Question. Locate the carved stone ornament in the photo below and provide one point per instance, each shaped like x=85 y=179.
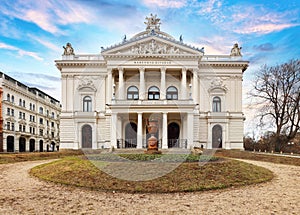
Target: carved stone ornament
x=236 y=51
x=217 y=83
x=154 y=48
x=86 y=82
x=68 y=50
x=153 y=23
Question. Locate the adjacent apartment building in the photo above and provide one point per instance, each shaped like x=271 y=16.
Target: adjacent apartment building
x=108 y=98
x=29 y=118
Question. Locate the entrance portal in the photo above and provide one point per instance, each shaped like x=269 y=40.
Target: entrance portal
x=31 y=145
x=173 y=135
x=86 y=136
x=10 y=144
x=41 y=146
x=22 y=144
x=217 y=136
x=131 y=135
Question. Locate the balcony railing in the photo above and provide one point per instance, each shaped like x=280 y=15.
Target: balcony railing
x=152 y=102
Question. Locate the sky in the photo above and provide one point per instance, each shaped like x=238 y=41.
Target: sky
x=33 y=32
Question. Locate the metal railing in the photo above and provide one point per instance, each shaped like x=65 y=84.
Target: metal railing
x=132 y=143
x=126 y=143
x=177 y=143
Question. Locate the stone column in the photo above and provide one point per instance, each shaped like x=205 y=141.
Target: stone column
x=109 y=86
x=190 y=129
x=113 y=130
x=165 y=131
x=195 y=86
x=142 y=83
x=121 y=83
x=140 y=131
x=163 y=83
x=183 y=83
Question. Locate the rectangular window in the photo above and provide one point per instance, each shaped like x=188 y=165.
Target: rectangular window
x=12 y=126
x=24 y=128
x=41 y=121
x=8 y=111
x=41 y=132
x=30 y=130
x=20 y=115
x=12 y=112
x=33 y=130
x=8 y=126
x=52 y=124
x=23 y=115
x=20 y=127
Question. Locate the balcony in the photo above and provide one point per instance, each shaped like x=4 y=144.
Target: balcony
x=185 y=102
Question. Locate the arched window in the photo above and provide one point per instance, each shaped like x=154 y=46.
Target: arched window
x=20 y=102
x=172 y=93
x=8 y=97
x=87 y=104
x=153 y=93
x=41 y=110
x=132 y=93
x=216 y=104
x=23 y=103
x=12 y=99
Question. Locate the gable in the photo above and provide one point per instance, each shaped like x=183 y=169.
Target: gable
x=152 y=45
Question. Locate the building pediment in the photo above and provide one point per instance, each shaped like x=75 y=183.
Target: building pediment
x=151 y=45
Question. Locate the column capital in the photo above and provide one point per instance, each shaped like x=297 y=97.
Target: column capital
x=142 y=69
x=120 y=68
x=183 y=69
x=163 y=69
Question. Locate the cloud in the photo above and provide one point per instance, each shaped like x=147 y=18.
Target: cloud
x=46 y=43
x=264 y=47
x=263 y=28
x=21 y=52
x=165 y=3
x=246 y=18
x=48 y=15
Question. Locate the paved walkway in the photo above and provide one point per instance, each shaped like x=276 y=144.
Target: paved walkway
x=22 y=194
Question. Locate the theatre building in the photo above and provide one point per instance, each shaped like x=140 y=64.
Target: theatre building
x=108 y=98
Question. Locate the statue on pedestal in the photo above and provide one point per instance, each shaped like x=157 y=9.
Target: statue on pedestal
x=236 y=51
x=68 y=50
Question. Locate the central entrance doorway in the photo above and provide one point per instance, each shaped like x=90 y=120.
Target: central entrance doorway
x=173 y=135
x=131 y=135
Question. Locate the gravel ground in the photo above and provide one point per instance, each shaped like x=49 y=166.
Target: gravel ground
x=23 y=194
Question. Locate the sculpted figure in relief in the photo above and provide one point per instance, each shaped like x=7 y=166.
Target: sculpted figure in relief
x=236 y=50
x=68 y=50
x=154 y=48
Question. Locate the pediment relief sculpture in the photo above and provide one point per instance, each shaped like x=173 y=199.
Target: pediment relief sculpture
x=152 y=47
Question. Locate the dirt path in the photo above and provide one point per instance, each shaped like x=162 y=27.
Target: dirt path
x=22 y=194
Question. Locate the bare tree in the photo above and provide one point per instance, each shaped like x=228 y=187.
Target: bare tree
x=277 y=95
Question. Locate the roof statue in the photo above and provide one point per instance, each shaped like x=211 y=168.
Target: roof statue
x=236 y=51
x=68 y=50
x=153 y=23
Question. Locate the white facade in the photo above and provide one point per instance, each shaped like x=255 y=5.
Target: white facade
x=108 y=97
x=29 y=118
